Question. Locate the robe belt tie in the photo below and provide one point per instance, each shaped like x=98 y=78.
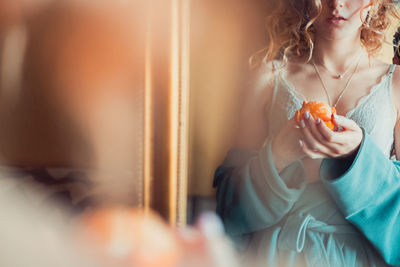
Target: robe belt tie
x=298 y=225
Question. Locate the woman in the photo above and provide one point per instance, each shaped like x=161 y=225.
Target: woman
x=270 y=196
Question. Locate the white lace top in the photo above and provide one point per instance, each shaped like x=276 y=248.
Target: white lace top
x=374 y=112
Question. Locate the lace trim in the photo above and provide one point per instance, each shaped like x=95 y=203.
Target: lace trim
x=292 y=89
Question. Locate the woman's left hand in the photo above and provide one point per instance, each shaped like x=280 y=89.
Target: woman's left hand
x=321 y=142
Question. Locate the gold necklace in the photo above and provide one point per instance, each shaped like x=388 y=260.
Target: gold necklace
x=341 y=75
x=345 y=87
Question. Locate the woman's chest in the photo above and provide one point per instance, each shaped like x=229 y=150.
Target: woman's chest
x=344 y=94
x=371 y=109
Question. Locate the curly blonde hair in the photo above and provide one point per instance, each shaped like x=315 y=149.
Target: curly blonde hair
x=290 y=30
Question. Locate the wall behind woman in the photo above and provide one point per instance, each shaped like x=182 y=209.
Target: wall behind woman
x=224 y=34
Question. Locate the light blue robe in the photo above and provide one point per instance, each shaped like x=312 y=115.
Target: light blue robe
x=279 y=220
x=367 y=191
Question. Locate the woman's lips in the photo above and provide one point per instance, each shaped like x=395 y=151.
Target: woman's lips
x=335 y=20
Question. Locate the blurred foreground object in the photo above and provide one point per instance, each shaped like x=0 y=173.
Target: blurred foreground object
x=35 y=235
x=118 y=237
x=100 y=86
x=79 y=99
x=15 y=11
x=131 y=237
x=206 y=244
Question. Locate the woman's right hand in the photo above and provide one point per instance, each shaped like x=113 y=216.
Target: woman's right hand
x=285 y=145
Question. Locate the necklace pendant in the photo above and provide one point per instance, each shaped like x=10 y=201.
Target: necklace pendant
x=340 y=76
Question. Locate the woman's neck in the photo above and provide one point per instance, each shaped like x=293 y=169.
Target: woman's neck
x=336 y=55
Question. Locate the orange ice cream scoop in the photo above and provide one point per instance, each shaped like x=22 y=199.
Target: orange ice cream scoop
x=317 y=110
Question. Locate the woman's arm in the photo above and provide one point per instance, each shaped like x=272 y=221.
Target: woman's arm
x=366 y=188
x=252 y=128
x=251 y=194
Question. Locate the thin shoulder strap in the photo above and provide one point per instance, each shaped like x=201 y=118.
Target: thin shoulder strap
x=389 y=88
x=391 y=69
x=390 y=76
x=274 y=92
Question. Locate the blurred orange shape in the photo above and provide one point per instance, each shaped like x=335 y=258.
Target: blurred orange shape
x=132 y=236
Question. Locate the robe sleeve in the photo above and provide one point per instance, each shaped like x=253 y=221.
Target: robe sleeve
x=367 y=190
x=251 y=195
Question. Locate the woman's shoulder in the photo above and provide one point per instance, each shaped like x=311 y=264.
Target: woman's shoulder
x=396 y=88
x=396 y=79
x=251 y=121
x=380 y=69
x=379 y=66
x=263 y=73
x=394 y=70
x=259 y=83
